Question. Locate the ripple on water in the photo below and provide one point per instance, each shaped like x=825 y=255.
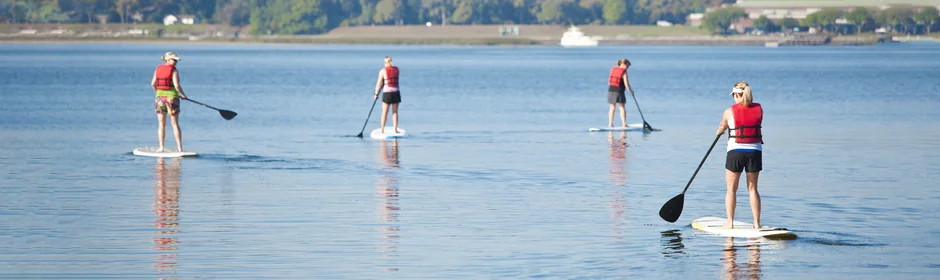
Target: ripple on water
x=836 y=239
x=500 y=178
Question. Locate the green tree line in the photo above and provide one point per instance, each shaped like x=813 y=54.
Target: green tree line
x=897 y=19
x=318 y=16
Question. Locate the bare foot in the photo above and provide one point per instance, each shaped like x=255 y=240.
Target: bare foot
x=756 y=226
x=610 y=125
x=729 y=225
x=625 y=125
x=179 y=149
x=396 y=130
x=160 y=150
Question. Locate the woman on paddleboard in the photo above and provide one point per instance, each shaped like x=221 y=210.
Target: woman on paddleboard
x=618 y=82
x=743 y=122
x=166 y=82
x=391 y=96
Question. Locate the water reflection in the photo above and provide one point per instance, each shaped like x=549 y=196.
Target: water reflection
x=646 y=134
x=732 y=270
x=166 y=209
x=618 y=158
x=672 y=243
x=387 y=189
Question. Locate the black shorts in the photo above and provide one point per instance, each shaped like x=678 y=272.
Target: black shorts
x=738 y=161
x=616 y=97
x=391 y=97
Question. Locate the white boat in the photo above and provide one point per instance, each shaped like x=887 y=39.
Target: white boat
x=575 y=38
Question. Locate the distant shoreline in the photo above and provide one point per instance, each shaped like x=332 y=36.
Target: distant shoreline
x=738 y=40
x=529 y=35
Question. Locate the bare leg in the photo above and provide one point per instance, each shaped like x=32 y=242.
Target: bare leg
x=755 y=196
x=610 y=116
x=174 y=118
x=395 y=117
x=730 y=200
x=384 y=115
x=623 y=114
x=161 y=130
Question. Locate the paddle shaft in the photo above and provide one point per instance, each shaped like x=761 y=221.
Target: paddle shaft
x=367 y=117
x=638 y=107
x=200 y=103
x=701 y=163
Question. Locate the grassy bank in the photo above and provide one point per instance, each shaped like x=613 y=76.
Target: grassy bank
x=525 y=31
x=153 y=28
x=864 y=39
x=279 y=40
x=397 y=41
x=645 y=31
x=409 y=34
x=379 y=31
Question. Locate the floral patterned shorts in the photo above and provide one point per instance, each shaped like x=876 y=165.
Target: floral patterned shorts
x=167 y=105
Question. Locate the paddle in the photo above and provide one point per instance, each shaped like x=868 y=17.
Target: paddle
x=367 y=118
x=226 y=114
x=646 y=125
x=673 y=208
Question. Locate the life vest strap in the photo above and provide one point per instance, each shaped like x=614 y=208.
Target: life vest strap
x=740 y=128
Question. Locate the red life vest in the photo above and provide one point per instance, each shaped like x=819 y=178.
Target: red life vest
x=616 y=77
x=747 y=123
x=164 y=75
x=391 y=76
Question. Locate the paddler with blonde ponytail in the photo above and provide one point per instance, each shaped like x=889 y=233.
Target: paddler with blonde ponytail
x=391 y=95
x=745 y=144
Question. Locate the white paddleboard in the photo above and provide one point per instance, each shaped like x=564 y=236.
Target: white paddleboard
x=388 y=133
x=716 y=225
x=151 y=152
x=631 y=127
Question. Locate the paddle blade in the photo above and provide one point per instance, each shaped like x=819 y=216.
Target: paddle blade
x=647 y=126
x=672 y=209
x=227 y=115
x=360 y=135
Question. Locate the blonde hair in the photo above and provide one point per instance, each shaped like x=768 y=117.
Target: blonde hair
x=388 y=60
x=747 y=96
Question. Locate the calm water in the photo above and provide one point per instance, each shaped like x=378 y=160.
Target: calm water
x=498 y=178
